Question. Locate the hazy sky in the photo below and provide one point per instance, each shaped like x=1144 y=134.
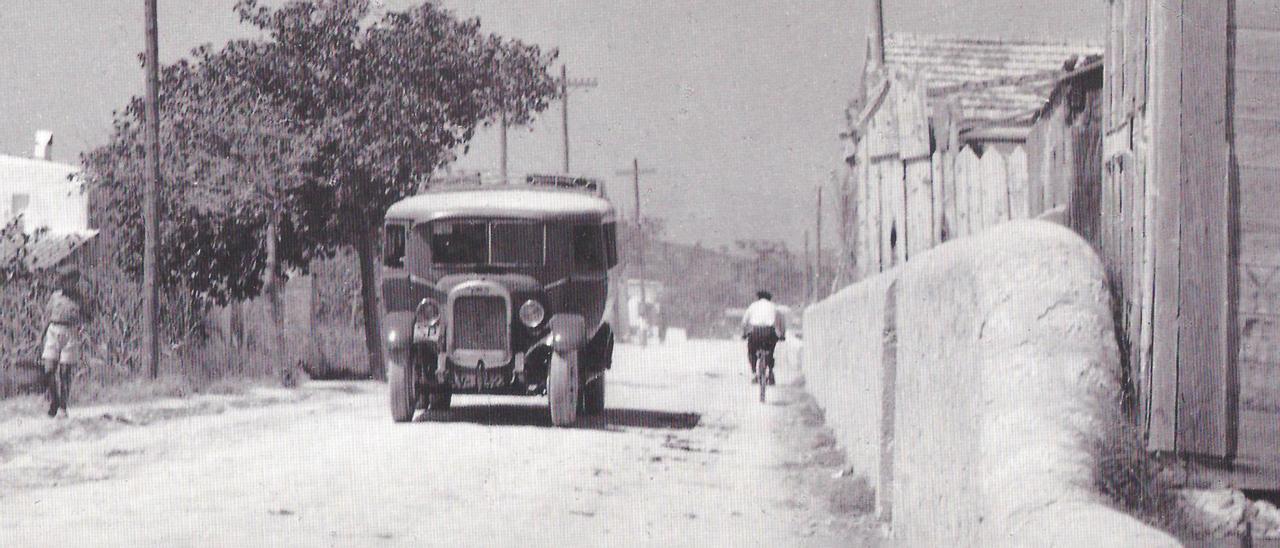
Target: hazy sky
x=736 y=103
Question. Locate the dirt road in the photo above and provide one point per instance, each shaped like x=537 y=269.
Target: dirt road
x=684 y=456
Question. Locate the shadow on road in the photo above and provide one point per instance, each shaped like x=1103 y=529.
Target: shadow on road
x=537 y=415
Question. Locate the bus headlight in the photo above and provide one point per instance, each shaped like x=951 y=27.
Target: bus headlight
x=532 y=313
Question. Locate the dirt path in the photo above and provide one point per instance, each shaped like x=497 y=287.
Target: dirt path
x=684 y=456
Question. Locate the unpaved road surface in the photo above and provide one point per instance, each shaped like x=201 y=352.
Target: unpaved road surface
x=684 y=456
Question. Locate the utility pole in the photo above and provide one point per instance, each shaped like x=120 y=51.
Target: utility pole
x=876 y=34
x=565 y=85
x=151 y=201
x=808 y=271
x=635 y=173
x=817 y=274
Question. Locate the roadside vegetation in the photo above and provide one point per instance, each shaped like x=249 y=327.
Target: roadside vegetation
x=279 y=155
x=1136 y=481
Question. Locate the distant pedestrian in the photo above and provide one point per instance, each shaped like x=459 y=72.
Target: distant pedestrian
x=662 y=324
x=65 y=316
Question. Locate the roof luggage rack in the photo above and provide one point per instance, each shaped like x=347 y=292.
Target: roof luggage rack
x=479 y=179
x=566 y=181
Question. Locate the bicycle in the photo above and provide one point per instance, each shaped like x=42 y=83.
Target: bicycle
x=764 y=372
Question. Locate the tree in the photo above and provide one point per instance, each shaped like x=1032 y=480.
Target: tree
x=386 y=105
x=354 y=116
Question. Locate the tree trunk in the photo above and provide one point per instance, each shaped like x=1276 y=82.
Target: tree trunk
x=364 y=244
x=316 y=358
x=273 y=291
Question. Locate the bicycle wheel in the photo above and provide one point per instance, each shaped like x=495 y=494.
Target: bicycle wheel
x=762 y=376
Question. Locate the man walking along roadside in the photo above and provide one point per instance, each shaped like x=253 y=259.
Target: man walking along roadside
x=65 y=316
x=763 y=326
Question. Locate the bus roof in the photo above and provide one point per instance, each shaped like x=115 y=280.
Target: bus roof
x=503 y=201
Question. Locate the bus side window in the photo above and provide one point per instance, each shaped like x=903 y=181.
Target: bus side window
x=393 y=247
x=588 y=248
x=611 y=243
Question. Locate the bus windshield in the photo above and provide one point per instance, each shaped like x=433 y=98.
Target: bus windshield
x=500 y=243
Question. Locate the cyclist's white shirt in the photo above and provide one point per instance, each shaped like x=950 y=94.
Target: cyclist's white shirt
x=763 y=313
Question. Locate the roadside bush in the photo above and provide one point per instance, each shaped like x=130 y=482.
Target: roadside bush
x=1136 y=481
x=337 y=289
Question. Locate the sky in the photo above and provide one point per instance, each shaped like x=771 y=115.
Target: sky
x=737 y=105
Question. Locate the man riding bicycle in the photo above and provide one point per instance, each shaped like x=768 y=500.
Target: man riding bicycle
x=763 y=326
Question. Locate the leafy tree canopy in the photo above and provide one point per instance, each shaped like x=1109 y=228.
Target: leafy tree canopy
x=325 y=119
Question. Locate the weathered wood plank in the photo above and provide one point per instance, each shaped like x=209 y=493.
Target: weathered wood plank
x=1134 y=41
x=1058 y=170
x=1113 y=66
x=1083 y=182
x=1259 y=199
x=1135 y=260
x=1036 y=153
x=941 y=197
x=912 y=117
x=1257 y=14
x=896 y=181
x=867 y=232
x=1166 y=111
x=1258 y=143
x=875 y=217
x=952 y=197
x=1207 y=388
x=1257 y=465
x=1019 y=193
x=995 y=189
x=1147 y=331
x=1259 y=245
x=977 y=196
x=1257 y=49
x=1141 y=29
x=1260 y=339
x=895 y=207
x=1128 y=204
x=967 y=174
x=1259 y=289
x=918 y=234
x=1257 y=94
x=882 y=131
x=1108 y=215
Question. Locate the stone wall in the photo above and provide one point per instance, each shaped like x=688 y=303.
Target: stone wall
x=972 y=384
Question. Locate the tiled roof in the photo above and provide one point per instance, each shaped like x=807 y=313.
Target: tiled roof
x=989 y=79
x=44 y=252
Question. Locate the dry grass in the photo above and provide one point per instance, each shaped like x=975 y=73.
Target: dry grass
x=199 y=356
x=1137 y=481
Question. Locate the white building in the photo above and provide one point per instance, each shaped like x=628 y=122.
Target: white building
x=43 y=194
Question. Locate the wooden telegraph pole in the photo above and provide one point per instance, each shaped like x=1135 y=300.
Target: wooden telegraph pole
x=565 y=85
x=151 y=200
x=635 y=173
x=808 y=271
x=876 y=37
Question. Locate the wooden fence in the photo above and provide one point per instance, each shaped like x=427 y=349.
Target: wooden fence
x=907 y=207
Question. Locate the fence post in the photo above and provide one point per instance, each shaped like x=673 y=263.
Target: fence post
x=941 y=197
x=1019 y=194
x=995 y=189
x=968 y=193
